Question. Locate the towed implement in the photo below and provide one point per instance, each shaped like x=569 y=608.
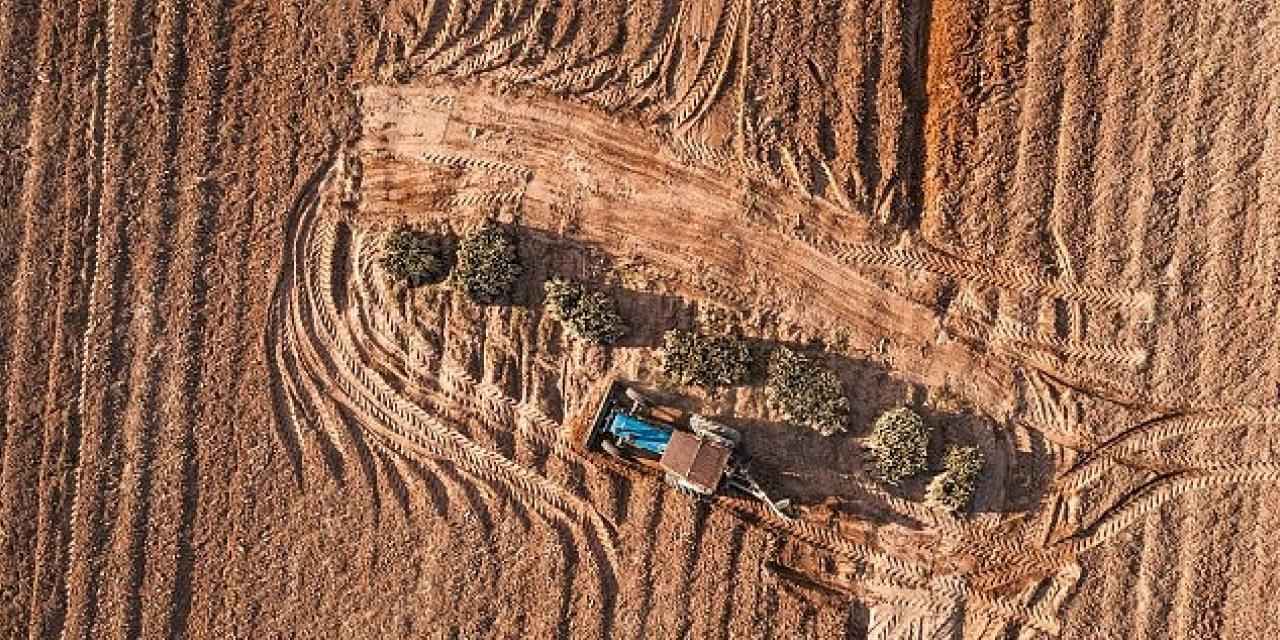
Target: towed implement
x=699 y=460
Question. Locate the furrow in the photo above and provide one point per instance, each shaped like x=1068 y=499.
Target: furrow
x=131 y=528
x=98 y=460
x=20 y=43
x=47 y=608
x=46 y=225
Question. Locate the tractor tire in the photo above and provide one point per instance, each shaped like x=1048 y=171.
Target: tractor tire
x=675 y=483
x=609 y=447
x=638 y=398
x=708 y=428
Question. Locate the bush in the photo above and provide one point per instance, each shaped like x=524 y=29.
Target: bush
x=488 y=264
x=414 y=257
x=953 y=488
x=704 y=360
x=589 y=315
x=806 y=392
x=899 y=445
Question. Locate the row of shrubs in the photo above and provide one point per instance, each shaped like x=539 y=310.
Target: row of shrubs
x=486 y=266
x=899 y=446
x=807 y=392
x=487 y=263
x=800 y=387
x=804 y=390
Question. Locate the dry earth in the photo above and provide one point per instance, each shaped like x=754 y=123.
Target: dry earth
x=1053 y=229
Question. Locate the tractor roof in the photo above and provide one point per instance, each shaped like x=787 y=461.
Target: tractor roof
x=699 y=461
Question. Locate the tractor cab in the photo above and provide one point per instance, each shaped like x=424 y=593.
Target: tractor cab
x=641 y=436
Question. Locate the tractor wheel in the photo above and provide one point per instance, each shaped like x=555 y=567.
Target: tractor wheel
x=638 y=398
x=609 y=447
x=709 y=428
x=674 y=482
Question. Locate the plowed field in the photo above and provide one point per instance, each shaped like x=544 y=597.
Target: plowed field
x=1052 y=228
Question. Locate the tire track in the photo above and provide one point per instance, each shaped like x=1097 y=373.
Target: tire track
x=1096 y=43
x=103 y=135
x=699 y=69
x=1008 y=277
x=446 y=441
x=455 y=480
x=710 y=82
x=560 y=73
x=131 y=527
x=150 y=533
x=1131 y=509
x=47 y=607
x=454 y=14
x=645 y=81
x=1007 y=330
x=94 y=512
x=1146 y=435
x=496 y=22
x=419 y=29
x=393 y=467
x=503 y=51
x=1113 y=226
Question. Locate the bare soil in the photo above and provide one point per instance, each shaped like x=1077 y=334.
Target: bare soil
x=1052 y=230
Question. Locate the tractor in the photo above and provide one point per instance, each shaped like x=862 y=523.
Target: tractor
x=698 y=460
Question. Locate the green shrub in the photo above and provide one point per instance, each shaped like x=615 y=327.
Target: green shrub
x=953 y=488
x=414 y=257
x=488 y=264
x=705 y=360
x=589 y=315
x=899 y=445
x=806 y=392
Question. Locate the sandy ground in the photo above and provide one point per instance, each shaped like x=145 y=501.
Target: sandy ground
x=1054 y=230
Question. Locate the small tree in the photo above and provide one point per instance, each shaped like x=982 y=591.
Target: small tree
x=953 y=488
x=488 y=263
x=899 y=445
x=414 y=257
x=705 y=360
x=563 y=295
x=806 y=392
x=589 y=315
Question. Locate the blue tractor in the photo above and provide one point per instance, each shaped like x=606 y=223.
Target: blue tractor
x=699 y=460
